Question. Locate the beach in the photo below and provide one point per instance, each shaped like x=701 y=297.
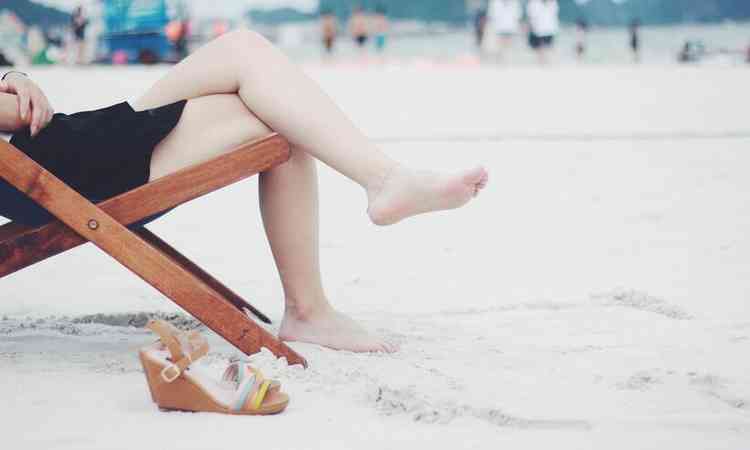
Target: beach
x=594 y=296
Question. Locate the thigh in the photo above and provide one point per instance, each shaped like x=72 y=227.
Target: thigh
x=209 y=126
x=210 y=70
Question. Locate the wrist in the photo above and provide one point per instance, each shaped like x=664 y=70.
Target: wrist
x=11 y=73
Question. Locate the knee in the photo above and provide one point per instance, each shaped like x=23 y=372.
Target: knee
x=299 y=166
x=301 y=157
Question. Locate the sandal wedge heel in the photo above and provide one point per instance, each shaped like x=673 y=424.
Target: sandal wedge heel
x=176 y=386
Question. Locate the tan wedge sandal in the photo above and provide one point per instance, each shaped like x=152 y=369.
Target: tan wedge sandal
x=176 y=386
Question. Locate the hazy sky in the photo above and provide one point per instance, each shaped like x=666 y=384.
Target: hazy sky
x=208 y=7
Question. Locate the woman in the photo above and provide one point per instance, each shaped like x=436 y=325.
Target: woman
x=635 y=39
x=505 y=16
x=381 y=26
x=329 y=25
x=544 y=23
x=78 y=24
x=582 y=30
x=359 y=28
x=237 y=88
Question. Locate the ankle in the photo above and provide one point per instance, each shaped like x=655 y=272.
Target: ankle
x=304 y=311
x=379 y=178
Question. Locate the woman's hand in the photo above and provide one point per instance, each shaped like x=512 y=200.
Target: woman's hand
x=33 y=107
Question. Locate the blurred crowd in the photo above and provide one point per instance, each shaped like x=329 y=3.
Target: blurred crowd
x=500 y=29
x=155 y=36
x=364 y=28
x=538 y=21
x=497 y=27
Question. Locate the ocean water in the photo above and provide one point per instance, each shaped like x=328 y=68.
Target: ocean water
x=604 y=45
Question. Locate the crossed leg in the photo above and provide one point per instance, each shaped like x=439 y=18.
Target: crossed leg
x=240 y=87
x=289 y=102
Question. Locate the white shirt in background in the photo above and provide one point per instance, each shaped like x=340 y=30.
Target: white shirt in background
x=543 y=17
x=505 y=16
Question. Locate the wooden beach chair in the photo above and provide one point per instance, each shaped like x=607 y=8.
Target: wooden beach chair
x=141 y=251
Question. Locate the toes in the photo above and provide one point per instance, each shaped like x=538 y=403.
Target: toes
x=474 y=176
x=483 y=182
x=387 y=347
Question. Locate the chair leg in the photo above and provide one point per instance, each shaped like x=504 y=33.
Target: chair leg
x=237 y=327
x=239 y=302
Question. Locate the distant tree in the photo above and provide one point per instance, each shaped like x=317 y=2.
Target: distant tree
x=596 y=12
x=651 y=12
x=452 y=11
x=32 y=13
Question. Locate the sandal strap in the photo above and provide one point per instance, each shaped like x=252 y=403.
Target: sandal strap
x=252 y=391
x=184 y=348
x=252 y=386
x=237 y=371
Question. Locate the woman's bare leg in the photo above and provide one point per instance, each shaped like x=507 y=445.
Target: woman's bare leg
x=216 y=124
x=289 y=102
x=289 y=205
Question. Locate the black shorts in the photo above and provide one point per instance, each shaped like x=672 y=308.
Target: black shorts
x=635 y=44
x=79 y=34
x=536 y=41
x=100 y=154
x=361 y=39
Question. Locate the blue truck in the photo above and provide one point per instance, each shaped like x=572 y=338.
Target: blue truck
x=136 y=31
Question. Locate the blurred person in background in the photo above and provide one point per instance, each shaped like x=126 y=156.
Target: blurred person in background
x=78 y=24
x=635 y=39
x=329 y=28
x=358 y=28
x=504 y=18
x=544 y=24
x=582 y=30
x=178 y=32
x=480 y=25
x=3 y=60
x=219 y=27
x=181 y=43
x=380 y=27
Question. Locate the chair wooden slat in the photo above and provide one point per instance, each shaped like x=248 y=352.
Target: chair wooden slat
x=21 y=246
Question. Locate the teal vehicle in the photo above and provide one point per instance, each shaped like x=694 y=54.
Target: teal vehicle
x=135 y=31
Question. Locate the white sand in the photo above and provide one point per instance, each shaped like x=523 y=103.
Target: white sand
x=594 y=296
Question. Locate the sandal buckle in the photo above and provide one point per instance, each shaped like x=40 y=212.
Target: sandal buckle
x=166 y=377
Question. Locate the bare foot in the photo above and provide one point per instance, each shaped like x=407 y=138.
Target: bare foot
x=406 y=193
x=334 y=330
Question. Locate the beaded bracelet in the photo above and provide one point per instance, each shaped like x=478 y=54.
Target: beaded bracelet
x=13 y=71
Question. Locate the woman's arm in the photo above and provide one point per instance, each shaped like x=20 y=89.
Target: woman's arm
x=10 y=119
